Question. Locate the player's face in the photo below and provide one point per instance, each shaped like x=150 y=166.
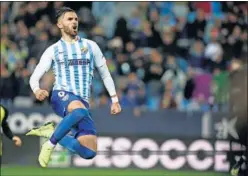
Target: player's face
x=69 y=23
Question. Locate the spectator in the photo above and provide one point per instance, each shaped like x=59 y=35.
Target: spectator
x=21 y=12
x=196 y=55
x=213 y=49
x=202 y=91
x=174 y=74
x=168 y=100
x=87 y=20
x=40 y=45
x=14 y=56
x=122 y=31
x=135 y=22
x=154 y=71
x=187 y=103
x=169 y=42
x=7 y=82
x=31 y=15
x=149 y=37
x=135 y=87
x=54 y=34
x=235 y=42
x=154 y=68
x=220 y=88
x=197 y=28
x=23 y=38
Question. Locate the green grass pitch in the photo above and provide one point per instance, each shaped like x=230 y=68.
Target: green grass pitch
x=35 y=171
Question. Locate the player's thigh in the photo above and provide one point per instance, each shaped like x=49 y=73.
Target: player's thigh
x=89 y=141
x=75 y=104
x=64 y=102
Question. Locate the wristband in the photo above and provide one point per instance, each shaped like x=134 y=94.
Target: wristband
x=114 y=99
x=35 y=89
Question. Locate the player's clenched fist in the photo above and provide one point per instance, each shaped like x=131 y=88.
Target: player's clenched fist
x=115 y=108
x=41 y=94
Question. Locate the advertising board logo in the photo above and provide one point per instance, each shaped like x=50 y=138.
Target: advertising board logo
x=209 y=160
x=225 y=128
x=20 y=123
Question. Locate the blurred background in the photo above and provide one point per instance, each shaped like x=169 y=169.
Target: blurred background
x=171 y=62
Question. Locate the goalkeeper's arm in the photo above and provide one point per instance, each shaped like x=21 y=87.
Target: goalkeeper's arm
x=6 y=129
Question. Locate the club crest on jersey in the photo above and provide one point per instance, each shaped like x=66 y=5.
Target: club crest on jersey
x=84 y=50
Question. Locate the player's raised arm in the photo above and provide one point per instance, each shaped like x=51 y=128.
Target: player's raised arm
x=43 y=66
x=102 y=67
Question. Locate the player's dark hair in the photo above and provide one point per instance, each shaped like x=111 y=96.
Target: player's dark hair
x=62 y=11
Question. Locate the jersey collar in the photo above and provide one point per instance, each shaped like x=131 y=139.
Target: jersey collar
x=73 y=41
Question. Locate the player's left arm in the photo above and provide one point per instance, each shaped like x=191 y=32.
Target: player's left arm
x=100 y=63
x=6 y=129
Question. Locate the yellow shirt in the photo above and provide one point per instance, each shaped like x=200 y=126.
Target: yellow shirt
x=2 y=115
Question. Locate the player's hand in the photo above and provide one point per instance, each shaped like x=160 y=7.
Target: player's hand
x=41 y=94
x=17 y=141
x=115 y=108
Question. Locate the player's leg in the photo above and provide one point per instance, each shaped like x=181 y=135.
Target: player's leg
x=69 y=142
x=73 y=118
x=62 y=129
x=242 y=132
x=86 y=149
x=60 y=101
x=63 y=103
x=85 y=141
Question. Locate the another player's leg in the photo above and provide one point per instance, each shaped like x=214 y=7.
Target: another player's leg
x=236 y=169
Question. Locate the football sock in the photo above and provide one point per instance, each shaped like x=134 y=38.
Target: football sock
x=74 y=146
x=67 y=123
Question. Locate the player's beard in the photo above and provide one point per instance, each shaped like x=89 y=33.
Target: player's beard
x=70 y=31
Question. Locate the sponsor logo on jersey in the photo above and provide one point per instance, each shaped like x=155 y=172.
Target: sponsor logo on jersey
x=78 y=62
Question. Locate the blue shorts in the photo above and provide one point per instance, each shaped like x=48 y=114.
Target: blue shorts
x=60 y=101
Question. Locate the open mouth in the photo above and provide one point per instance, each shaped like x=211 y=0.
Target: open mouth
x=74 y=27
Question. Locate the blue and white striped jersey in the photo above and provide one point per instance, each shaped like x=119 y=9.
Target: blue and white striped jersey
x=73 y=65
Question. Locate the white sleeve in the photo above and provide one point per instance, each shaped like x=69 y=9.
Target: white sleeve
x=100 y=63
x=107 y=79
x=43 y=66
x=99 y=59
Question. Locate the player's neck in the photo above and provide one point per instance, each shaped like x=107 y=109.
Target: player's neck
x=69 y=39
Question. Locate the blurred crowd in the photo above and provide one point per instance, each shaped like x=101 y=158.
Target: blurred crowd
x=161 y=54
